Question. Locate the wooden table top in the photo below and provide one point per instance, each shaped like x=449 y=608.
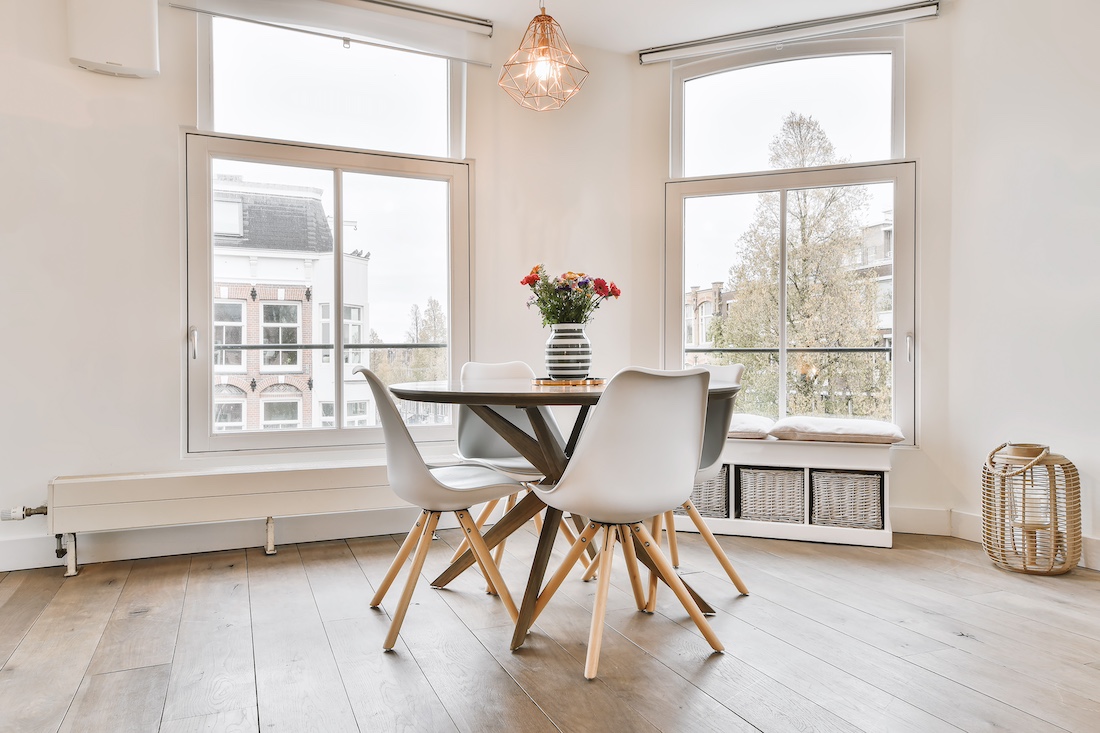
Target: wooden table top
x=520 y=392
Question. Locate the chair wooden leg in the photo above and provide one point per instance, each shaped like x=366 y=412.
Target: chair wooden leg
x=651 y=596
x=670 y=531
x=654 y=551
x=571 y=537
x=485 y=559
x=632 y=566
x=410 y=584
x=599 y=610
x=498 y=551
x=481 y=519
x=575 y=551
x=592 y=568
x=708 y=536
x=406 y=547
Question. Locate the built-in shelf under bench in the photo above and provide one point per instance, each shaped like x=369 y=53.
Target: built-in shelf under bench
x=800 y=490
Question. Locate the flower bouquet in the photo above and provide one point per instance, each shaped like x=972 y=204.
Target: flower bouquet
x=572 y=297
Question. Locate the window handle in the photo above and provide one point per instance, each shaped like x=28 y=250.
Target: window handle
x=194 y=334
x=909 y=347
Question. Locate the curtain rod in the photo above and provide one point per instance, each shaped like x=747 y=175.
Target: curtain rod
x=790 y=33
x=347 y=40
x=481 y=25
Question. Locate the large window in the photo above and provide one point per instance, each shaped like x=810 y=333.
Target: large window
x=261 y=303
x=307 y=258
x=804 y=274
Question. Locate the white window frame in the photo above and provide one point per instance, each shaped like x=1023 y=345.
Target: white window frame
x=872 y=42
x=903 y=177
x=200 y=150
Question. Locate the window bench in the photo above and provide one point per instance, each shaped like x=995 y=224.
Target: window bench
x=803 y=490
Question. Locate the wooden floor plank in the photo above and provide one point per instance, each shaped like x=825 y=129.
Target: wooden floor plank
x=128 y=701
x=386 y=691
x=479 y=695
x=242 y=720
x=23 y=596
x=43 y=674
x=142 y=629
x=298 y=685
x=213 y=670
x=889 y=670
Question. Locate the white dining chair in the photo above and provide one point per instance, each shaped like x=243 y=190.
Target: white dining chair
x=616 y=480
x=435 y=489
x=719 y=416
x=479 y=443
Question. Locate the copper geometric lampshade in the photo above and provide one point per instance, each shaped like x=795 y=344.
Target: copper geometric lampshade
x=544 y=73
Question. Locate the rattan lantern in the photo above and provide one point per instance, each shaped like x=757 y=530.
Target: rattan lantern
x=1031 y=510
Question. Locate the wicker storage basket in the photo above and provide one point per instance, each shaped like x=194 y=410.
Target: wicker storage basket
x=843 y=499
x=1031 y=510
x=712 y=497
x=771 y=494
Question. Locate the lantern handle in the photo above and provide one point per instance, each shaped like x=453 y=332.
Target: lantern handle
x=1006 y=473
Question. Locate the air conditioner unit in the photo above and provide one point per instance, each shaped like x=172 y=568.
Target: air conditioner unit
x=117 y=37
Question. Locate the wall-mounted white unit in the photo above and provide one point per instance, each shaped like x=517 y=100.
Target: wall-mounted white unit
x=117 y=37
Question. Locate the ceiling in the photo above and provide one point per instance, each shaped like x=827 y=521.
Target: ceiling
x=618 y=25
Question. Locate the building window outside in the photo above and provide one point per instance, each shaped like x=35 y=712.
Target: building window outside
x=357 y=414
x=229 y=415
x=280 y=326
x=353 y=333
x=228 y=219
x=281 y=414
x=328 y=414
x=229 y=326
x=811 y=265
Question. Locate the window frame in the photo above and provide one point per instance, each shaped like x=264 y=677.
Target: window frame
x=199 y=149
x=871 y=42
x=902 y=174
x=243 y=324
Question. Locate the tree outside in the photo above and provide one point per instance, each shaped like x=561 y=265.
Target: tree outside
x=833 y=298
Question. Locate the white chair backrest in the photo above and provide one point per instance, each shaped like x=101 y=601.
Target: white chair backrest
x=475 y=438
x=638 y=453
x=409 y=476
x=719 y=416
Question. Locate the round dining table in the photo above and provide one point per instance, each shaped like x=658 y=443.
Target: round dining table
x=543 y=451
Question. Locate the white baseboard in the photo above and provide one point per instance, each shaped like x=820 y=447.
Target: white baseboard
x=22 y=553
x=913 y=520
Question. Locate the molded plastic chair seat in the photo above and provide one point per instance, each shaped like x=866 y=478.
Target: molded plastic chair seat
x=636 y=458
x=435 y=490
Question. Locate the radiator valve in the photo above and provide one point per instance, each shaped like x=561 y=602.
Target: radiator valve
x=20 y=512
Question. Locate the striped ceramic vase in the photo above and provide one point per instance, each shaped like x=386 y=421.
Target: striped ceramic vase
x=568 y=351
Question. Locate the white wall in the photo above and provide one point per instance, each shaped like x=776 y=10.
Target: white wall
x=999 y=114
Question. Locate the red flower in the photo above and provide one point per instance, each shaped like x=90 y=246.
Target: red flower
x=530 y=279
x=615 y=292
x=600 y=286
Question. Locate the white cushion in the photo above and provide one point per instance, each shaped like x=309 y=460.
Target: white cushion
x=750 y=426
x=836 y=429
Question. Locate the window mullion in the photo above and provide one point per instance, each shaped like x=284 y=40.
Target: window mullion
x=782 y=396
x=336 y=315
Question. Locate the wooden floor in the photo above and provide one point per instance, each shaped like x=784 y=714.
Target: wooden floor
x=927 y=636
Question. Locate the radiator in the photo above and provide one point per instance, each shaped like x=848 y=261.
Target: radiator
x=80 y=504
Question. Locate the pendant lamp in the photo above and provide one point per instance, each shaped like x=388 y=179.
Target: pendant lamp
x=544 y=73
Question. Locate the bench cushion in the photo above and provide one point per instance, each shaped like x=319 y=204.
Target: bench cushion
x=836 y=429
x=750 y=426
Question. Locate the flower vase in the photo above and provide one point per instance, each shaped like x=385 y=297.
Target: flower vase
x=568 y=351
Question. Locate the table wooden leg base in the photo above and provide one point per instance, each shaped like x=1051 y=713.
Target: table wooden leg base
x=538 y=571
